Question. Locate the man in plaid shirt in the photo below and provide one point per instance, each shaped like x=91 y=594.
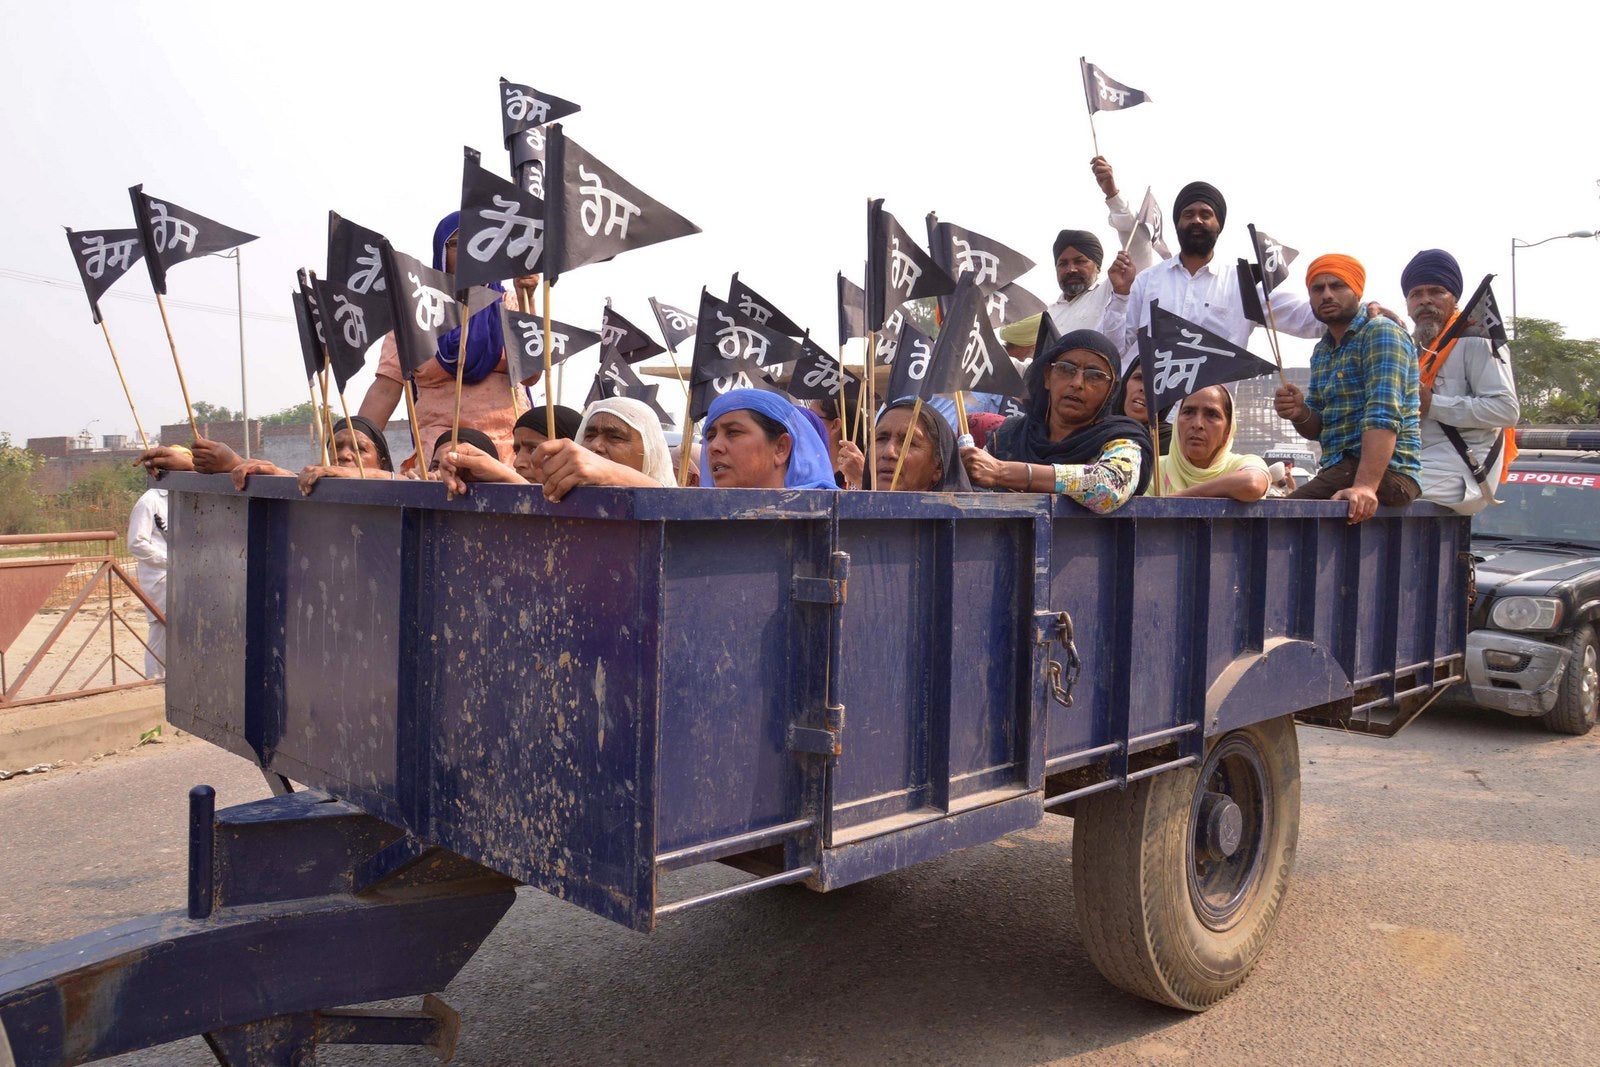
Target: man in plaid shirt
x=1362 y=403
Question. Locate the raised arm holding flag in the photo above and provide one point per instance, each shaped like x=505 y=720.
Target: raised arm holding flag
x=102 y=257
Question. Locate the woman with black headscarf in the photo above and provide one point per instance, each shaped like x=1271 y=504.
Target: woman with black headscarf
x=1069 y=441
x=1129 y=401
x=932 y=462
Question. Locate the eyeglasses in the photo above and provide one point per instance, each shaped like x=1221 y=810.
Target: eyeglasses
x=1070 y=370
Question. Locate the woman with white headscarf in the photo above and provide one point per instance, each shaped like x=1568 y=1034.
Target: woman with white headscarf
x=619 y=443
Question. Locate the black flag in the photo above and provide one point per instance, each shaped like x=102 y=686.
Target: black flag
x=724 y=332
x=172 y=235
x=1154 y=224
x=1273 y=257
x=961 y=252
x=1249 y=296
x=103 y=256
x=524 y=341
x=1105 y=93
x=307 y=279
x=616 y=378
x=527 y=160
x=502 y=228
x=1178 y=357
x=344 y=328
x=968 y=357
x=1047 y=335
x=852 y=310
x=624 y=340
x=719 y=376
x=355 y=263
x=523 y=107
x=908 y=362
x=423 y=303
x=305 y=326
x=677 y=325
x=818 y=374
x=1479 y=317
x=1011 y=303
x=760 y=308
x=898 y=269
x=592 y=214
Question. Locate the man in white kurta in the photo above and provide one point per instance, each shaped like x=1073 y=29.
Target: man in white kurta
x=1467 y=386
x=1078 y=257
x=147 y=544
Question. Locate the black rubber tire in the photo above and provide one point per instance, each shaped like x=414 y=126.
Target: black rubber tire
x=1131 y=864
x=1577 y=704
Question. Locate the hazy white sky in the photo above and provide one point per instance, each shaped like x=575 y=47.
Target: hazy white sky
x=1372 y=129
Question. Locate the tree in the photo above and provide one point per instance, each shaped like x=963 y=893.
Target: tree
x=298 y=415
x=206 y=412
x=19 y=500
x=1558 y=377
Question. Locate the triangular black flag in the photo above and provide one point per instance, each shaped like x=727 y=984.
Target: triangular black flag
x=1272 y=256
x=502 y=229
x=424 y=306
x=760 y=308
x=593 y=214
x=103 y=256
x=889 y=338
x=852 y=310
x=1047 y=336
x=1249 y=296
x=968 y=357
x=1154 y=224
x=964 y=253
x=898 y=269
x=307 y=280
x=621 y=338
x=524 y=343
x=677 y=325
x=173 y=235
x=1479 y=317
x=305 y=327
x=616 y=378
x=818 y=374
x=1011 y=303
x=522 y=107
x=908 y=362
x=723 y=376
x=344 y=328
x=1178 y=357
x=724 y=332
x=355 y=263
x=527 y=160
x=1105 y=93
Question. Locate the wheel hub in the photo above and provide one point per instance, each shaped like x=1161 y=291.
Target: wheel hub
x=1221 y=825
x=1230 y=821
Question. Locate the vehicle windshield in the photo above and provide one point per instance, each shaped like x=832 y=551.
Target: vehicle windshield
x=1557 y=505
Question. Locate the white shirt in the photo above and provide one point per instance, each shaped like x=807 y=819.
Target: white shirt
x=147 y=543
x=1475 y=393
x=1207 y=298
x=1085 y=311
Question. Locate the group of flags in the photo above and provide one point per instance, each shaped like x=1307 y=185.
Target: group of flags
x=566 y=209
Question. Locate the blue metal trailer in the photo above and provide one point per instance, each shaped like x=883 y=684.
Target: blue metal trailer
x=811 y=687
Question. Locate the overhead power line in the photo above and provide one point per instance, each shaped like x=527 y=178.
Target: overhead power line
x=140 y=298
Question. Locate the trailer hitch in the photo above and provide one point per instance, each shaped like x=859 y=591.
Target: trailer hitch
x=1061 y=633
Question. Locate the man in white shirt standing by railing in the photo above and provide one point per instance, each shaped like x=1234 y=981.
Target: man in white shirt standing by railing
x=147 y=544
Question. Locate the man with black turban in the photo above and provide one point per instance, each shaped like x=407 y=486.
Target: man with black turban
x=1191 y=286
x=1078 y=257
x=1467 y=395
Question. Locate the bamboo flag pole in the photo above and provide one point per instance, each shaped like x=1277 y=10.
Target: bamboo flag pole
x=844 y=411
x=686 y=442
x=905 y=443
x=350 y=428
x=461 y=375
x=125 y=391
x=188 y=408
x=1272 y=337
x=961 y=414
x=327 y=412
x=1155 y=438
x=549 y=394
x=1094 y=134
x=316 y=419
x=871 y=392
x=416 y=431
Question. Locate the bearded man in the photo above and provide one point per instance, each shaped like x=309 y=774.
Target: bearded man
x=1467 y=396
x=1190 y=285
x=1078 y=256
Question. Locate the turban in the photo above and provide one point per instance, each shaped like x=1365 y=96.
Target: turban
x=1083 y=241
x=1201 y=192
x=1024 y=332
x=1434 y=266
x=1345 y=268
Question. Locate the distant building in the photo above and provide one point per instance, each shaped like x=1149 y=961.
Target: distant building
x=1257 y=427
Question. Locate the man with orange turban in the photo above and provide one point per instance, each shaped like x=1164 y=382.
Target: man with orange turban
x=1362 y=402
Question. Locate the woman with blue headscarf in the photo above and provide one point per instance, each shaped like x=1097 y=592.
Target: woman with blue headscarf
x=758 y=440
x=486 y=400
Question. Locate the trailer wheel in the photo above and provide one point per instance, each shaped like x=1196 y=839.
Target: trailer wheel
x=1575 y=708
x=1178 y=879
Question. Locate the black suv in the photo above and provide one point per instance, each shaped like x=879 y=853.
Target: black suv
x=1533 y=647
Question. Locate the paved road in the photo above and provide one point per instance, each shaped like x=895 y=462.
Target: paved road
x=1444 y=910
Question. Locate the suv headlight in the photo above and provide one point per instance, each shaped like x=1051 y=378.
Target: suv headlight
x=1526 y=613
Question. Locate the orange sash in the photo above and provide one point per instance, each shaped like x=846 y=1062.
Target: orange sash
x=1429 y=363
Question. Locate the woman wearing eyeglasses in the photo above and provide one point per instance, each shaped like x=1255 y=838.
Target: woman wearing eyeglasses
x=1069 y=442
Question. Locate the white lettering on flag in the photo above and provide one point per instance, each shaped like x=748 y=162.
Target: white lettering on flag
x=430 y=303
x=889 y=337
x=903 y=270
x=1175 y=375
x=984 y=266
x=1113 y=96
x=611 y=336
x=170 y=232
x=533 y=339
x=485 y=244
x=921 y=352
x=520 y=106
x=735 y=341
x=370 y=275
x=679 y=321
x=533 y=178
x=98 y=255
x=975 y=359
x=621 y=209
x=353 y=319
x=1272 y=258
x=760 y=312
x=996 y=306
x=825 y=373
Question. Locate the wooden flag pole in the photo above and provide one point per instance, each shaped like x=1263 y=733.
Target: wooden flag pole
x=416 y=431
x=461 y=377
x=1155 y=439
x=125 y=391
x=350 y=427
x=685 y=444
x=1272 y=337
x=844 y=412
x=549 y=394
x=871 y=393
x=905 y=444
x=188 y=408
x=961 y=414
x=327 y=413
x=1094 y=134
x=316 y=418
